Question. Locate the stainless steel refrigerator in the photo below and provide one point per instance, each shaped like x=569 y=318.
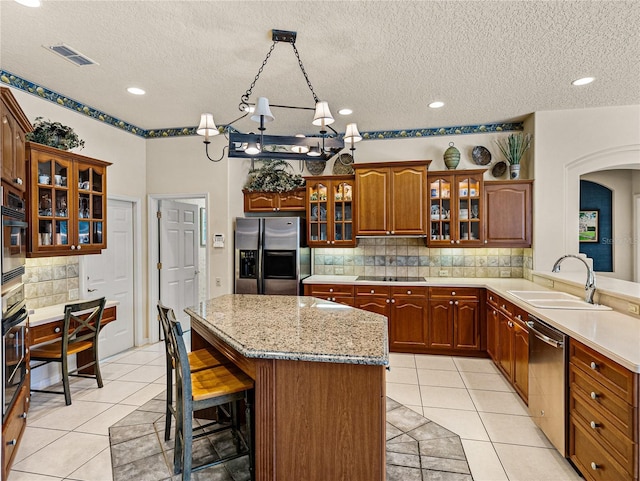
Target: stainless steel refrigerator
x=271 y=256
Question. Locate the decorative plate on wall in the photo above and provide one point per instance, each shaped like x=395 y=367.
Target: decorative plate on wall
x=481 y=155
x=315 y=167
x=343 y=165
x=499 y=169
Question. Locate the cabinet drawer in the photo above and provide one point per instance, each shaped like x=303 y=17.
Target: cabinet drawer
x=603 y=431
x=493 y=299
x=506 y=307
x=592 y=459
x=409 y=291
x=13 y=428
x=372 y=291
x=607 y=372
x=457 y=292
x=606 y=402
x=45 y=332
x=332 y=290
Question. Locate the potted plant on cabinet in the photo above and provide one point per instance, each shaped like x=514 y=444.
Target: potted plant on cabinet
x=273 y=176
x=54 y=134
x=513 y=148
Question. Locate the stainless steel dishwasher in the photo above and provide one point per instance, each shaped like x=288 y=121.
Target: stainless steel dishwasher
x=547 y=381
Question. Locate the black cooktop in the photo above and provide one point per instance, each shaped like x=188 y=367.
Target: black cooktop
x=390 y=279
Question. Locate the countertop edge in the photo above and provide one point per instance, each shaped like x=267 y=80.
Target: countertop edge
x=43 y=315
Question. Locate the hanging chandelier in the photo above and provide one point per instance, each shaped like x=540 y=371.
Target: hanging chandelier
x=263 y=146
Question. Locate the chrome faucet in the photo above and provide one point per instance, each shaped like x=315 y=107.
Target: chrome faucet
x=590 y=286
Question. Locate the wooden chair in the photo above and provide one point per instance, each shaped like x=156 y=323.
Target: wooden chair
x=81 y=328
x=198 y=360
x=205 y=389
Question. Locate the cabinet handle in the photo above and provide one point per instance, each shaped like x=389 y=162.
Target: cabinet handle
x=333 y=242
x=388 y=232
x=23 y=415
x=519 y=317
x=18 y=181
x=331 y=289
x=73 y=247
x=593 y=365
x=495 y=313
x=510 y=323
x=409 y=292
x=452 y=242
x=594 y=466
x=457 y=242
x=453 y=293
x=451 y=302
x=456 y=303
x=13 y=442
x=393 y=301
x=372 y=291
x=333 y=299
x=504 y=306
x=57 y=330
x=387 y=301
x=594 y=395
x=594 y=425
x=393 y=232
x=486 y=242
x=328 y=242
x=491 y=298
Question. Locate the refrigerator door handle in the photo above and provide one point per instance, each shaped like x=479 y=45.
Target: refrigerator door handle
x=260 y=279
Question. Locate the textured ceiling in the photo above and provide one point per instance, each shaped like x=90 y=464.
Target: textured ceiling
x=488 y=61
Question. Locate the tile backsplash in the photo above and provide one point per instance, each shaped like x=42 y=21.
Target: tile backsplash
x=51 y=280
x=399 y=257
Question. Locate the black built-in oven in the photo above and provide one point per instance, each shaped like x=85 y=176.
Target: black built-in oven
x=14 y=338
x=14 y=240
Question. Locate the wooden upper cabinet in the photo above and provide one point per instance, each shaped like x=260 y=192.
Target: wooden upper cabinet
x=508 y=219
x=291 y=201
x=391 y=198
x=67 y=198
x=330 y=211
x=14 y=125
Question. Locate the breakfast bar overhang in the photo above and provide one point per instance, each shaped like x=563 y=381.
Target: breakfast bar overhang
x=319 y=371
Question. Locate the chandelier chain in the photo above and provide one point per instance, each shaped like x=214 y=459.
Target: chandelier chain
x=245 y=98
x=304 y=72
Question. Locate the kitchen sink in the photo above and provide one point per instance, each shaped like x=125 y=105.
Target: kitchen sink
x=556 y=300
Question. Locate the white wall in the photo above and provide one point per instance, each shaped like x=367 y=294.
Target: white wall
x=568 y=144
x=620 y=183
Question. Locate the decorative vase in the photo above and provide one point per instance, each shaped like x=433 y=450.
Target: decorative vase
x=514 y=171
x=451 y=157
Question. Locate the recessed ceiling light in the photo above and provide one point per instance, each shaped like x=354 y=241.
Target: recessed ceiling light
x=436 y=105
x=136 y=91
x=583 y=81
x=29 y=3
x=345 y=111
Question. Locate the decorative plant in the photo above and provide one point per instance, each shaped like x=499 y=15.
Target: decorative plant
x=514 y=147
x=54 y=134
x=272 y=176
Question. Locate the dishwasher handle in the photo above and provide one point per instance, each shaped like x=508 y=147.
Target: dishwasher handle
x=543 y=337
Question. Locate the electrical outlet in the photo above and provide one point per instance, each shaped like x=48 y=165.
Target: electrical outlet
x=443 y=273
x=633 y=308
x=218 y=282
x=505 y=273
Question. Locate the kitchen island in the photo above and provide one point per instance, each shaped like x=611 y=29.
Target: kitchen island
x=319 y=371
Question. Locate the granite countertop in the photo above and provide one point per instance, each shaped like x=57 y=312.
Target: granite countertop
x=611 y=333
x=47 y=314
x=295 y=328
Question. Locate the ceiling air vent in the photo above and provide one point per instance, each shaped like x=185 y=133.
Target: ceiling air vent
x=71 y=55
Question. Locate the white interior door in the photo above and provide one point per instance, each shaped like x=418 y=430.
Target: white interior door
x=179 y=243
x=110 y=274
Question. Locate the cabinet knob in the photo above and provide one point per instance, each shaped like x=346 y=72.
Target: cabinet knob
x=409 y=292
x=491 y=298
x=18 y=181
x=486 y=241
x=594 y=425
x=333 y=242
x=388 y=232
x=23 y=415
x=387 y=301
x=453 y=293
x=510 y=323
x=57 y=330
x=372 y=291
x=333 y=299
x=328 y=242
x=12 y=442
x=451 y=302
x=593 y=365
x=458 y=242
x=594 y=395
x=456 y=303
x=73 y=247
x=519 y=317
x=594 y=466
x=331 y=289
x=495 y=313
x=393 y=301
x=393 y=232
x=504 y=306
x=274 y=209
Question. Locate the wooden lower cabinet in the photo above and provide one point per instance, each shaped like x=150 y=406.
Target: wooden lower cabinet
x=406 y=310
x=455 y=320
x=13 y=428
x=508 y=341
x=603 y=416
x=341 y=293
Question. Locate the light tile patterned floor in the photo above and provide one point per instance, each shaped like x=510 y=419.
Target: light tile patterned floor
x=463 y=395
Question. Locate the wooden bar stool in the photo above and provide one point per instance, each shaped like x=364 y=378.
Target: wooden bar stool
x=80 y=332
x=205 y=389
x=198 y=360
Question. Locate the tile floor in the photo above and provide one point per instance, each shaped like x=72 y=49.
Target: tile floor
x=464 y=395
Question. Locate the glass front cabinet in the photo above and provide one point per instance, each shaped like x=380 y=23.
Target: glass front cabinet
x=456 y=208
x=330 y=204
x=67 y=202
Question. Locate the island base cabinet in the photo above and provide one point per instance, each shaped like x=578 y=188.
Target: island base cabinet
x=310 y=427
